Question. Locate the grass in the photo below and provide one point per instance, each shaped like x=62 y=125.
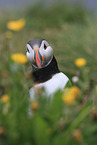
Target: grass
x=72 y=34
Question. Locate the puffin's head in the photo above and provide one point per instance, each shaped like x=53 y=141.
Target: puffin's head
x=39 y=53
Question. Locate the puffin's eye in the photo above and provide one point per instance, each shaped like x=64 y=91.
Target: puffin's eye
x=28 y=50
x=45 y=46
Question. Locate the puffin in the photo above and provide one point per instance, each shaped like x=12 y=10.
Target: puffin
x=46 y=73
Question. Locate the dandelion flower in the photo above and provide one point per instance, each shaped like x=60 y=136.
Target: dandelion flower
x=16 y=25
x=34 y=105
x=70 y=95
x=75 y=91
x=5 y=98
x=69 y=99
x=80 y=62
x=19 y=58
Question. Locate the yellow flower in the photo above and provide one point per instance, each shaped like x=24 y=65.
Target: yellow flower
x=70 y=95
x=16 y=25
x=96 y=89
x=19 y=58
x=80 y=62
x=5 y=98
x=77 y=135
x=34 y=105
x=9 y=34
x=75 y=91
x=69 y=99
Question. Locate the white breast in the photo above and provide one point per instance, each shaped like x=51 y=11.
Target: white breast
x=57 y=82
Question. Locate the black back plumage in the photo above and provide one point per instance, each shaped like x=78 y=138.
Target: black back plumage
x=46 y=73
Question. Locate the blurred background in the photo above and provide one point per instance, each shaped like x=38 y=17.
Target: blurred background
x=70 y=27
x=12 y=4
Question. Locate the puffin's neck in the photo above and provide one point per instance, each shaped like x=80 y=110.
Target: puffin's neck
x=46 y=73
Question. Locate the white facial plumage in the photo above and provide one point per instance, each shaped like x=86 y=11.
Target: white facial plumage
x=39 y=53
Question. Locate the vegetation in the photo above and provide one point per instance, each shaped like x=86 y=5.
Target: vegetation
x=71 y=116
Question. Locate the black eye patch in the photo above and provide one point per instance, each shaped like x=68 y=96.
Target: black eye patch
x=45 y=46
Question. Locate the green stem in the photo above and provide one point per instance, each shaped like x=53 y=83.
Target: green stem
x=78 y=120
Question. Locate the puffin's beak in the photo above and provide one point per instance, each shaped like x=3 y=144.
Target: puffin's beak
x=37 y=57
